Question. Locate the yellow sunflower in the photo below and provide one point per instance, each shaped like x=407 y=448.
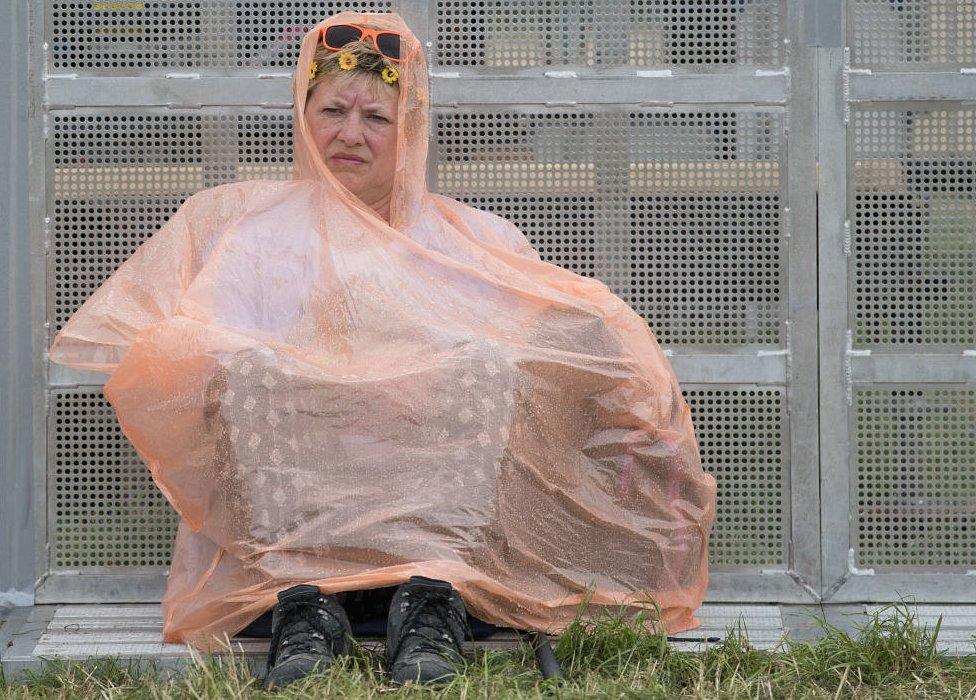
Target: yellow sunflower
x=313 y=71
x=347 y=61
x=390 y=75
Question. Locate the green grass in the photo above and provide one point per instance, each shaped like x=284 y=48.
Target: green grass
x=613 y=656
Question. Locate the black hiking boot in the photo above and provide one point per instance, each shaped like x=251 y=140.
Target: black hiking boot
x=426 y=625
x=308 y=631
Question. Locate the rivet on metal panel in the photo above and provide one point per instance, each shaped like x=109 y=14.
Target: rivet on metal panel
x=969 y=353
x=787 y=222
x=560 y=74
x=667 y=351
x=847 y=237
x=967 y=71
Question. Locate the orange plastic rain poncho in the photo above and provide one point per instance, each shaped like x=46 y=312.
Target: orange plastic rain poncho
x=326 y=398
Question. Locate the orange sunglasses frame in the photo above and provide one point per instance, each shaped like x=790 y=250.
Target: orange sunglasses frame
x=366 y=32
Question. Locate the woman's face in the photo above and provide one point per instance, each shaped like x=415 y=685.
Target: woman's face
x=351 y=121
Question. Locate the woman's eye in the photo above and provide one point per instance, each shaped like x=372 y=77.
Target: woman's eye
x=382 y=119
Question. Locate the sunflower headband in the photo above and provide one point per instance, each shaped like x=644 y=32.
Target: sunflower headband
x=347 y=61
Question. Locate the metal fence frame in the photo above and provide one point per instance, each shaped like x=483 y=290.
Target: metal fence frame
x=813 y=89
x=844 y=368
x=17 y=367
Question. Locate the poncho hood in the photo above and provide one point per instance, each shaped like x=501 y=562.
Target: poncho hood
x=413 y=108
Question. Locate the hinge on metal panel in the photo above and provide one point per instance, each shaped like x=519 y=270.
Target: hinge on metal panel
x=847 y=237
x=849 y=351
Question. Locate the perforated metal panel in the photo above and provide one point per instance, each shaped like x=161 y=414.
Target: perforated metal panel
x=912 y=34
x=914 y=207
x=526 y=33
x=915 y=471
x=678 y=212
x=104 y=508
x=898 y=306
x=743 y=438
x=683 y=210
x=129 y=37
x=118 y=175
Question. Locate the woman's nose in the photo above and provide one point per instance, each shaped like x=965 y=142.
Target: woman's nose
x=352 y=130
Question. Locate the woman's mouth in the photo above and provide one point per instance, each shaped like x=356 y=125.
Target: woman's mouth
x=346 y=159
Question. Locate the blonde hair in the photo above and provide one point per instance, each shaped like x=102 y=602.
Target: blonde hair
x=369 y=63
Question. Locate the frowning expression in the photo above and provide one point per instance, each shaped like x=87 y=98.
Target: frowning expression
x=354 y=127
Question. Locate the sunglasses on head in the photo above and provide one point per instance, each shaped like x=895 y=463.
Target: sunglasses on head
x=337 y=36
